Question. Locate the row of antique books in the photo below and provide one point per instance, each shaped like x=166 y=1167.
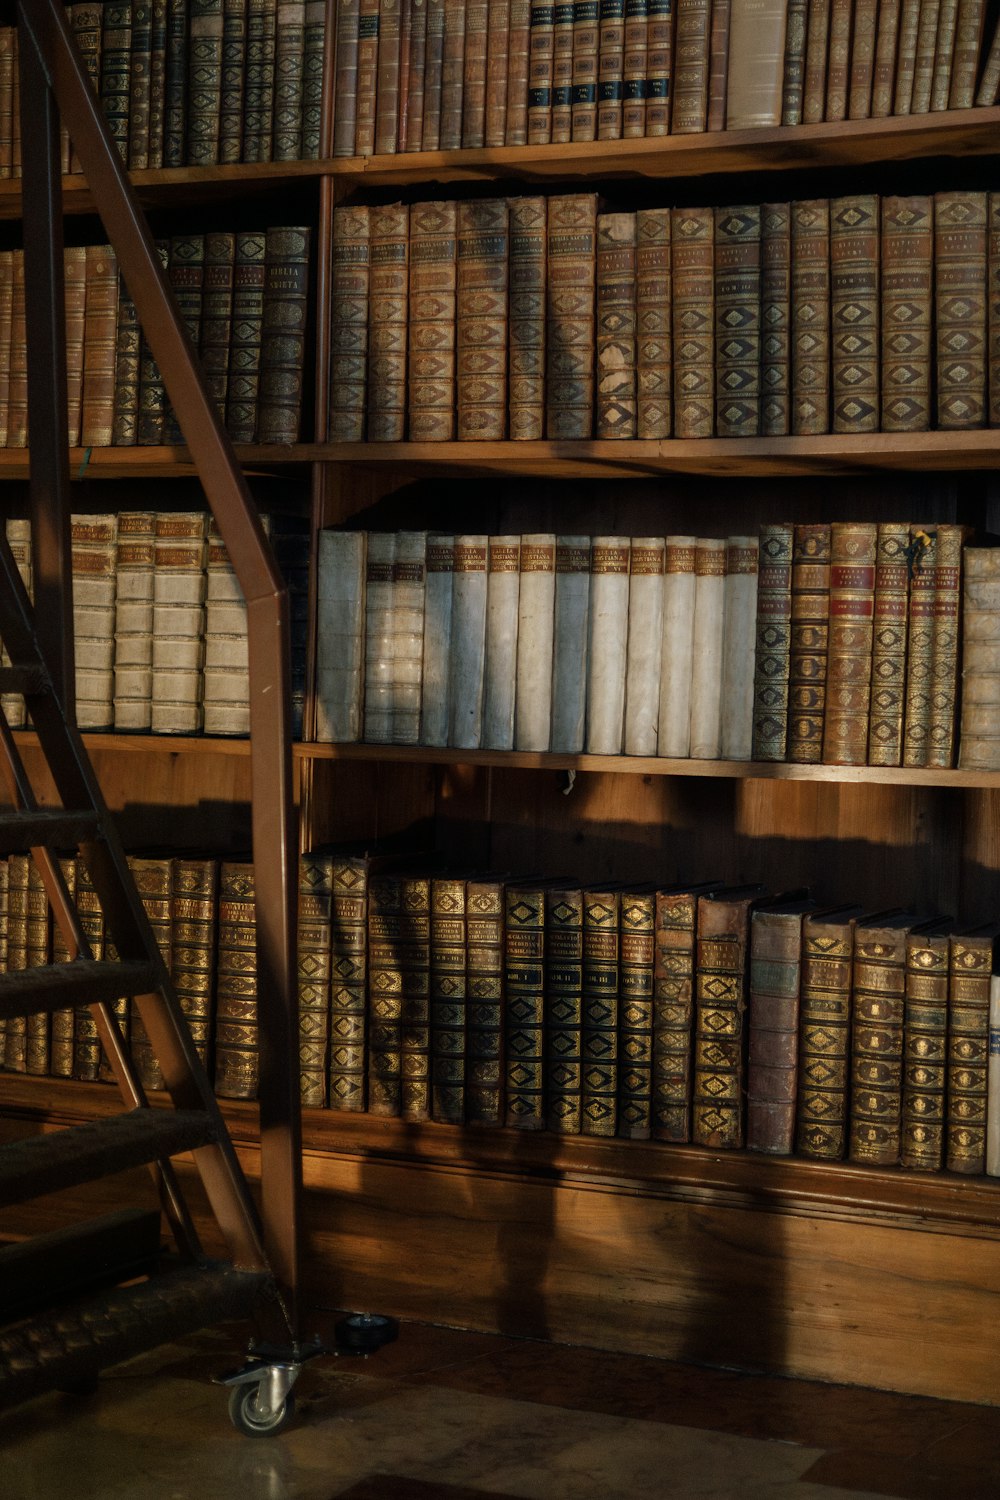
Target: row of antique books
x=243 y=299
x=428 y=75
x=532 y=317
x=812 y=642
x=160 y=621
x=708 y=1013
x=190 y=82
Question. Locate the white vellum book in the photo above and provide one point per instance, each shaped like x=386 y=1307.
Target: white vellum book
x=408 y=587
x=993 y=1082
x=706 y=656
x=340 y=635
x=468 y=642
x=94 y=558
x=437 y=640
x=133 y=687
x=535 y=626
x=179 y=588
x=738 y=647
x=674 y=738
x=379 y=637
x=645 y=642
x=609 y=585
x=569 y=644
x=502 y=588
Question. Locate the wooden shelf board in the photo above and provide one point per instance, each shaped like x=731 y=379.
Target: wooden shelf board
x=971 y=132
x=159 y=463
x=160 y=186
x=835 y=453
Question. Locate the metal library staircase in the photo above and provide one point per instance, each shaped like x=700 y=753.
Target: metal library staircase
x=64 y=1343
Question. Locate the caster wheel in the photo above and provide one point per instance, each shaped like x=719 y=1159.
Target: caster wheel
x=364 y=1333
x=246 y=1418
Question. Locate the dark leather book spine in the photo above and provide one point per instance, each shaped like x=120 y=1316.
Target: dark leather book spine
x=61 y=1027
x=283 y=334
x=217 y=316
x=993 y=311
x=350 y=276
x=367 y=78
x=527 y=296
x=387 y=941
x=838 y=67
x=7 y=261
x=692 y=234
x=859 y=102
x=175 y=85
x=773 y=646
x=387 y=323
x=418 y=69
x=884 y=73
x=599 y=1012
x=346 y=77
x=562 y=72
x=810 y=619
x=824 y=1043
x=737 y=320
x=772 y=1067
x=477 y=15
x=99 y=348
x=944 y=661
x=854 y=312
x=433 y=280
x=920 y=648
x=186 y=274
x=776 y=319
x=415 y=1049
x=315 y=900
x=907 y=289
x=885 y=730
x=811 y=317
x=634 y=69
x=524 y=992
x=157 y=82
x=673 y=1014
x=194 y=918
x=387 y=77
x=692 y=47
x=610 y=70
x=637 y=921
x=289 y=68
x=236 y=1059
x=85 y=21
x=17 y=393
x=452 y=76
x=720 y=1035
x=484 y=1073
x=960 y=255
x=153 y=880
x=204 y=82
x=616 y=326
x=87 y=1051
x=151 y=420
x=817 y=46
x=258 y=89
x=448 y=999
x=116 y=50
x=244 y=354
x=849 y=662
x=925 y=1045
x=878 y=1008
x=481 y=331
x=659 y=66
x=518 y=63
x=793 y=81
x=140 y=56
x=718 y=64
x=405 y=39
x=653 y=301
x=541 y=43
x=232 y=80
x=16 y=1031
x=563 y=944
x=970 y=968
x=37 y=1033
x=572 y=266
x=433 y=72
x=349 y=984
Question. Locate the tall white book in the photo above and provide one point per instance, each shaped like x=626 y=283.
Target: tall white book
x=19 y=540
x=535 y=633
x=133 y=700
x=674 y=733
x=226 y=690
x=607 y=641
x=94 y=549
x=437 y=640
x=379 y=680
x=179 y=587
x=706 y=655
x=502 y=587
x=738 y=647
x=569 y=644
x=645 y=644
x=409 y=575
x=468 y=642
x=340 y=635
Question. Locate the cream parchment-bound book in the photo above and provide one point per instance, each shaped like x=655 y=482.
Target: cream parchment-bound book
x=608 y=643
x=437 y=640
x=674 y=738
x=706 y=655
x=502 y=588
x=179 y=585
x=468 y=642
x=535 y=625
x=569 y=644
x=133 y=688
x=739 y=628
x=94 y=557
x=340 y=635
x=645 y=642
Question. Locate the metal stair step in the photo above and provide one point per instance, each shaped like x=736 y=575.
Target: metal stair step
x=82 y=1153
x=25 y=680
x=85 y=981
x=76 y=1259
x=54 y=827
x=73 y=1343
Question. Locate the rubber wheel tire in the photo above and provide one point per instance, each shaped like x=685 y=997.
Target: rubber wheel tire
x=247 y=1419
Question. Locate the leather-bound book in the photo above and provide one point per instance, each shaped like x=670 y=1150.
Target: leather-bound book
x=283 y=334
x=237 y=1067
x=152 y=410
x=217 y=316
x=569 y=644
x=541 y=60
x=116 y=49
x=572 y=264
x=448 y=998
x=738 y=647
x=848 y=675
x=153 y=879
x=757 y=52
x=677 y=649
x=993 y=312
x=773 y=641
x=634 y=69
x=737 y=320
x=87 y=1051
x=906 y=56
x=616 y=325
x=944 y=54
x=430 y=134
x=877 y=1017
x=586 y=60
x=692 y=46
x=706 y=648
x=340 y=596
x=259 y=89
x=637 y=916
x=16 y=1028
x=477 y=14
x=349 y=981
x=94 y=547
x=718 y=64
x=563 y=33
x=484 y=1091
x=992 y=1078
x=452 y=75
x=817 y=46
x=923 y=72
x=186 y=274
x=175 y=87
x=61 y=1023
x=179 y=586
x=809 y=639
x=367 y=78
x=481 y=318
x=315 y=899
x=838 y=64
x=607 y=644
x=884 y=70
x=772 y=1067
x=794 y=72
x=562 y=1007
x=232 y=79
x=193 y=922
x=345 y=66
x=518 y=51
x=920 y=647
x=907 y=287
x=526 y=317
x=133 y=657
x=414 y=964
x=85 y=24
x=467 y=656
x=502 y=586
x=8 y=47
x=7 y=259
x=388 y=303
x=599 y=1011
x=289 y=68
x=944 y=665
x=720 y=1035
x=659 y=65
x=4 y=916
x=17 y=388
x=811 y=317
x=204 y=82
x=825 y=1033
x=535 y=635
x=979 y=743
x=645 y=638
x=524 y=993
x=890 y=622
x=434 y=699
x=610 y=70
x=673 y=1010
x=862 y=73
x=140 y=58
x=99 y=348
x=413 y=114
x=925 y=1045
x=854 y=312
x=433 y=281
x=960 y=308
x=242 y=395
x=388 y=943
x=75 y=303
x=692 y=233
x=38 y=938
x=972 y=963
x=387 y=77
x=968 y=45
x=497 y=40
x=405 y=64
x=654 y=379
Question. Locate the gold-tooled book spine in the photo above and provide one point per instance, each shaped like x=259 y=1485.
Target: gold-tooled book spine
x=616 y=325
x=718 y=65
x=634 y=69
x=720 y=1021
x=817 y=44
x=773 y=644
x=15 y=1037
x=563 y=943
x=85 y=24
x=194 y=911
x=186 y=274
x=808 y=642
x=8 y=66
x=348 y=15
x=737 y=320
x=599 y=1013
x=610 y=70
x=877 y=1013
x=524 y=990
x=944 y=54
x=349 y=984
x=849 y=659
x=484 y=1069
x=518 y=45
x=541 y=59
x=944 y=661
x=906 y=56
x=794 y=75
x=388 y=301
x=673 y=1014
x=175 y=82
x=232 y=79
x=283 y=334
x=481 y=319
x=217 y=316
x=692 y=233
x=838 y=63
x=243 y=395
x=862 y=60
x=562 y=72
x=960 y=308
x=152 y=415
x=7 y=258
x=262 y=27
x=99 y=351
x=811 y=317
x=637 y=922
x=920 y=650
x=497 y=42
x=204 y=82
x=889 y=638
x=526 y=326
x=572 y=267
x=61 y=1042
x=854 y=312
x=314 y=970
x=367 y=78
x=350 y=276
x=692 y=49
x=17 y=390
x=75 y=302
x=415 y=1041
x=153 y=881
x=236 y=1061
x=448 y=999
x=414 y=112
x=128 y=342
x=116 y=49
x=659 y=66
x=775 y=319
x=971 y=965
x=474 y=79
x=586 y=58
x=387 y=77
x=884 y=75
x=654 y=375
x=405 y=65
x=923 y=72
x=452 y=75
x=993 y=311
x=433 y=283
x=968 y=44
x=38 y=938
x=907 y=287
x=387 y=938
x=430 y=135
x=313 y=65
x=772 y=1066
x=87 y=1052
x=925 y=1041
